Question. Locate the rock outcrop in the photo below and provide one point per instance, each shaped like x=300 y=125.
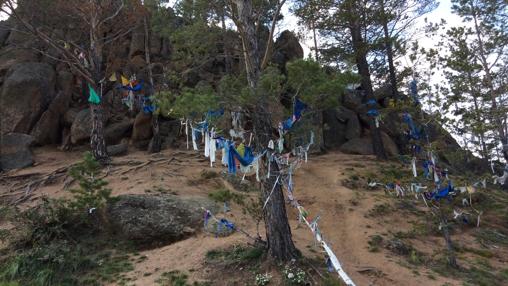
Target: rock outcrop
x=156 y=220
x=26 y=93
x=15 y=151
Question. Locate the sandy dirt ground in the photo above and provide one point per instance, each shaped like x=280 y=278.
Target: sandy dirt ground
x=318 y=187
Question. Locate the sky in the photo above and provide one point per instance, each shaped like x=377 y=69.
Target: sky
x=443 y=11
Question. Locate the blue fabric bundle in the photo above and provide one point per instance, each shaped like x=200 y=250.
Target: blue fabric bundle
x=137 y=87
x=443 y=193
x=413 y=88
x=215 y=113
x=373 y=113
x=413 y=131
x=299 y=108
x=246 y=160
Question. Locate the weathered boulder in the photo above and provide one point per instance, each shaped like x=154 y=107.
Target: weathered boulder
x=358 y=146
x=11 y=56
x=82 y=126
x=142 y=129
x=352 y=99
x=15 y=151
x=117 y=150
x=363 y=146
x=116 y=131
x=69 y=116
x=155 y=220
x=65 y=81
x=27 y=91
x=47 y=129
x=169 y=130
x=286 y=48
x=340 y=125
x=137 y=63
x=137 y=41
x=334 y=131
x=4 y=32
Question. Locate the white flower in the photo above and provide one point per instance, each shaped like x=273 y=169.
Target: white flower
x=290 y=275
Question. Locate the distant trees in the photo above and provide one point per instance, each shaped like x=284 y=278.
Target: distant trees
x=472 y=57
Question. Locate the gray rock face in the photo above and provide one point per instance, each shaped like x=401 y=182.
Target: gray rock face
x=358 y=146
x=341 y=124
x=363 y=146
x=117 y=150
x=27 y=91
x=82 y=125
x=142 y=129
x=48 y=128
x=116 y=131
x=15 y=151
x=150 y=220
x=286 y=48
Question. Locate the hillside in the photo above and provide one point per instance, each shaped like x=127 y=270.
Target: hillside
x=408 y=252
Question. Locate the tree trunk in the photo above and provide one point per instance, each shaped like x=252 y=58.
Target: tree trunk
x=389 y=54
x=227 y=53
x=313 y=27
x=97 y=142
x=360 y=50
x=450 y=253
x=155 y=144
x=278 y=232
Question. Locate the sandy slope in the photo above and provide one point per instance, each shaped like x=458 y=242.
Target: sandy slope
x=318 y=186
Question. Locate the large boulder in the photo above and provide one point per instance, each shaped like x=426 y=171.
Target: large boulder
x=65 y=81
x=137 y=41
x=11 y=56
x=155 y=220
x=340 y=125
x=15 y=151
x=27 y=91
x=117 y=150
x=142 y=129
x=47 y=130
x=358 y=146
x=5 y=30
x=82 y=126
x=286 y=48
x=363 y=146
x=116 y=131
x=334 y=131
x=169 y=130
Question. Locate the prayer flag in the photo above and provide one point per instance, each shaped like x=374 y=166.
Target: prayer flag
x=93 y=98
x=125 y=81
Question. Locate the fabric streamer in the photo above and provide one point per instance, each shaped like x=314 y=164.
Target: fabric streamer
x=413 y=165
x=93 y=98
x=207 y=144
x=213 y=149
x=271 y=192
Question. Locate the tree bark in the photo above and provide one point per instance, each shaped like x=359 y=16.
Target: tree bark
x=360 y=50
x=389 y=53
x=313 y=27
x=278 y=232
x=156 y=142
x=97 y=141
x=450 y=252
